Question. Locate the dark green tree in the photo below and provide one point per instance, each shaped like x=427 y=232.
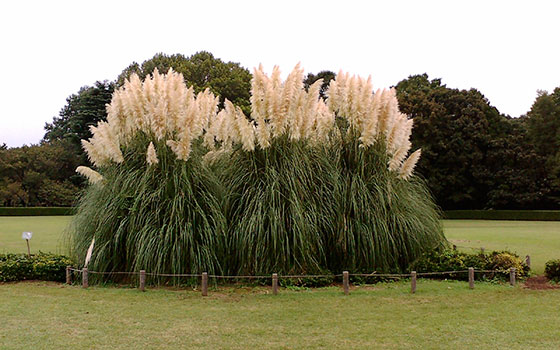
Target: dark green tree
x=520 y=178
x=543 y=126
x=82 y=110
x=39 y=175
x=456 y=130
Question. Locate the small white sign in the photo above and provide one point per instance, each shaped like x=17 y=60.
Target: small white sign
x=26 y=235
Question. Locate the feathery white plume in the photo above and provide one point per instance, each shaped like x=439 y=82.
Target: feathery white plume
x=162 y=107
x=408 y=166
x=151 y=156
x=92 y=175
x=89 y=252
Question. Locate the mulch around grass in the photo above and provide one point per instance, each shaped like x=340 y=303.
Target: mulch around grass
x=540 y=283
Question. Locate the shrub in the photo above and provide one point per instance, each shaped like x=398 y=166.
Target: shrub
x=503 y=261
x=552 y=270
x=529 y=215
x=35 y=211
x=42 y=266
x=450 y=260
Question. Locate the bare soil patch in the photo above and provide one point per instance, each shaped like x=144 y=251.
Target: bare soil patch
x=540 y=283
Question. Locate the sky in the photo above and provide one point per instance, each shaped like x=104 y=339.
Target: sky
x=49 y=49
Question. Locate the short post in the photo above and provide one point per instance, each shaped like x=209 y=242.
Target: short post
x=346 y=282
x=68 y=275
x=274 y=283
x=528 y=261
x=512 y=276
x=471 y=278
x=142 y=280
x=204 y=284
x=454 y=247
x=85 y=277
x=482 y=250
x=413 y=282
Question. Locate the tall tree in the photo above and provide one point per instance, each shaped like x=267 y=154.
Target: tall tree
x=39 y=175
x=543 y=125
x=520 y=178
x=82 y=110
x=455 y=129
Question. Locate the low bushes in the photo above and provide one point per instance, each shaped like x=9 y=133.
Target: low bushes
x=42 y=266
x=36 y=211
x=450 y=260
x=552 y=270
x=527 y=215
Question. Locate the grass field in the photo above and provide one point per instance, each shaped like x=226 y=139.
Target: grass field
x=441 y=315
x=47 y=233
x=540 y=239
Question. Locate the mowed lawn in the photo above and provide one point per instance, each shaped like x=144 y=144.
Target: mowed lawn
x=47 y=233
x=441 y=315
x=539 y=239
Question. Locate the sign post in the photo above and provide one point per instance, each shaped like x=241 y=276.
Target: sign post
x=27 y=236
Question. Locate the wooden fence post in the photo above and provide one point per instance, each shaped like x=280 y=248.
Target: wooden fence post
x=142 y=280
x=512 y=276
x=346 y=282
x=204 y=284
x=413 y=282
x=471 y=278
x=454 y=247
x=274 y=283
x=68 y=275
x=528 y=261
x=85 y=277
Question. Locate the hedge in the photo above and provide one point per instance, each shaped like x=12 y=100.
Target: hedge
x=451 y=260
x=552 y=270
x=36 y=211
x=528 y=215
x=42 y=266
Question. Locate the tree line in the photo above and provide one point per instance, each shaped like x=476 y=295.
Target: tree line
x=473 y=156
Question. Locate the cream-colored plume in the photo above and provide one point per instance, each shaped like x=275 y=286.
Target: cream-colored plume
x=92 y=175
x=151 y=156
x=286 y=108
x=162 y=107
x=277 y=108
x=408 y=166
x=375 y=117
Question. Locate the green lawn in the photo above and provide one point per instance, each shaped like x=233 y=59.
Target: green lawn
x=47 y=233
x=441 y=315
x=539 y=239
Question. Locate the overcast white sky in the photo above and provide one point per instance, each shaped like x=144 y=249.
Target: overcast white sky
x=49 y=49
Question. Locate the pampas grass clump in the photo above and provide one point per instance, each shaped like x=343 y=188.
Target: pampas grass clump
x=154 y=204
x=302 y=185
x=323 y=185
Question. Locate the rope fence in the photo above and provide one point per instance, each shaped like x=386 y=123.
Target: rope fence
x=276 y=277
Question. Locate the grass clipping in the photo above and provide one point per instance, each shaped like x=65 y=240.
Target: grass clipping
x=302 y=185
